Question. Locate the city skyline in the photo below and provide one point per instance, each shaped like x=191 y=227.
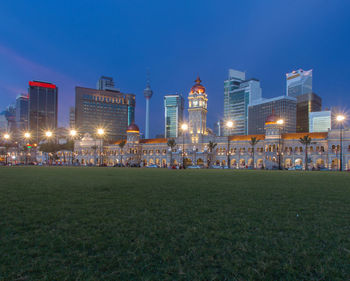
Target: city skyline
x=263 y=55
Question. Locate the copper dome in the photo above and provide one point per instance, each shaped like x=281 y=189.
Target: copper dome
x=133 y=128
x=198 y=87
x=271 y=118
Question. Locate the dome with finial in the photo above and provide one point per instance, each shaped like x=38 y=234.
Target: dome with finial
x=197 y=88
x=272 y=118
x=133 y=128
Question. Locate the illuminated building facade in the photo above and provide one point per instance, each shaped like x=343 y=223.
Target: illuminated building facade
x=42 y=108
x=111 y=110
x=192 y=147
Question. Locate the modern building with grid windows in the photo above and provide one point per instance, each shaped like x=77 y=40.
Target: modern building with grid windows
x=108 y=109
x=283 y=106
x=173 y=110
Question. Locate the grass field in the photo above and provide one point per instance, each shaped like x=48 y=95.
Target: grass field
x=155 y=224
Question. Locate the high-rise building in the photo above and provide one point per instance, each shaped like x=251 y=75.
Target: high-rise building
x=72 y=117
x=320 y=121
x=284 y=107
x=173 y=107
x=238 y=94
x=105 y=83
x=306 y=104
x=42 y=108
x=22 y=104
x=148 y=93
x=110 y=110
x=299 y=82
x=197 y=110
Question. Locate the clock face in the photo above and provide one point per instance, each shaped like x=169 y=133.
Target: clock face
x=195 y=103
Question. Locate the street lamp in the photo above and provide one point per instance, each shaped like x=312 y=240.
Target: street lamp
x=184 y=128
x=72 y=133
x=229 y=125
x=48 y=134
x=6 y=137
x=27 y=137
x=100 y=132
x=340 y=119
x=280 y=122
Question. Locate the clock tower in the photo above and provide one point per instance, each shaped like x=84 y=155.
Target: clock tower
x=197 y=109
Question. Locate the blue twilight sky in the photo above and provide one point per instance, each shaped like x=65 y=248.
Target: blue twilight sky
x=73 y=43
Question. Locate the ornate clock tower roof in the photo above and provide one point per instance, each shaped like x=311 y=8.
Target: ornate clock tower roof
x=197 y=88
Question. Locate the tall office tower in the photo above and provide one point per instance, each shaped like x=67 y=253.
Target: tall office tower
x=173 y=107
x=72 y=117
x=299 y=82
x=105 y=83
x=107 y=109
x=284 y=107
x=306 y=103
x=147 y=94
x=42 y=108
x=197 y=110
x=22 y=103
x=238 y=94
x=320 y=121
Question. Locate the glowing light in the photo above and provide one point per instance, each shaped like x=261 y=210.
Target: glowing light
x=27 y=135
x=100 y=131
x=184 y=127
x=340 y=118
x=6 y=136
x=280 y=122
x=229 y=124
x=48 y=134
x=42 y=84
x=73 y=133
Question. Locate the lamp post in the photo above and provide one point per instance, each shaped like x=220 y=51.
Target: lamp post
x=340 y=120
x=73 y=134
x=6 y=137
x=184 y=128
x=229 y=125
x=100 y=132
x=48 y=135
x=27 y=138
x=280 y=122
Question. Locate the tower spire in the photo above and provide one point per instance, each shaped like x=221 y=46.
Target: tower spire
x=147 y=92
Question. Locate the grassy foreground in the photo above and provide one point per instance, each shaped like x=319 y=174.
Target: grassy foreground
x=145 y=224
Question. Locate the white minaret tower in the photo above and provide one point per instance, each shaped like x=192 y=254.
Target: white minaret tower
x=148 y=94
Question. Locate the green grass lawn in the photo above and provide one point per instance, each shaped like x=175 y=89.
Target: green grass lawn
x=155 y=224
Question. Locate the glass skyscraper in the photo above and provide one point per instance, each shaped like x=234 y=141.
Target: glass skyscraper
x=306 y=104
x=42 y=108
x=22 y=103
x=299 y=82
x=173 y=108
x=238 y=94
